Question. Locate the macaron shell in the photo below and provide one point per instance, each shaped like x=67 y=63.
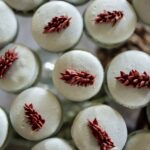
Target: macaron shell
x=23 y=71
x=138 y=141
x=53 y=144
x=109 y=119
x=45 y=103
x=106 y=33
x=4 y=127
x=127 y=95
x=24 y=5
x=80 y=61
x=8 y=24
x=63 y=40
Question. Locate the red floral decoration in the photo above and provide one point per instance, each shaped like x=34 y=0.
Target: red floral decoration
x=134 y=79
x=33 y=117
x=57 y=24
x=6 y=61
x=79 y=78
x=104 y=141
x=109 y=17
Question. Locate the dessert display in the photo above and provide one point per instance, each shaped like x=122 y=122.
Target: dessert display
x=53 y=25
x=74 y=75
x=128 y=79
x=4 y=129
x=37 y=120
x=139 y=140
x=53 y=144
x=8 y=24
x=99 y=127
x=24 y=5
x=36 y=114
x=19 y=68
x=77 y=2
x=142 y=8
x=110 y=23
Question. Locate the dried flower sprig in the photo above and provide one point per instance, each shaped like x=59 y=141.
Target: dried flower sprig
x=6 y=61
x=33 y=117
x=109 y=17
x=79 y=78
x=135 y=79
x=104 y=141
x=57 y=24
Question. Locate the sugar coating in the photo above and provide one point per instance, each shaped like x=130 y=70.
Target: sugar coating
x=106 y=33
x=79 y=61
x=126 y=61
x=63 y=40
x=109 y=119
x=24 y=5
x=53 y=144
x=8 y=24
x=24 y=70
x=45 y=103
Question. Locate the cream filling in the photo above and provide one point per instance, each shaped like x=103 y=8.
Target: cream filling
x=24 y=5
x=110 y=120
x=80 y=61
x=45 y=103
x=139 y=141
x=142 y=8
x=128 y=96
x=53 y=144
x=57 y=41
x=23 y=71
x=8 y=24
x=4 y=126
x=105 y=33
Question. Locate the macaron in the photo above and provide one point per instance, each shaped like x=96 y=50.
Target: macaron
x=8 y=24
x=19 y=68
x=142 y=8
x=24 y=5
x=57 y=26
x=99 y=127
x=36 y=114
x=77 y=2
x=4 y=129
x=53 y=144
x=78 y=75
x=128 y=77
x=110 y=22
x=138 y=140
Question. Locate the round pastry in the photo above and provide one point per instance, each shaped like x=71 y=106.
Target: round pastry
x=4 y=129
x=77 y=2
x=19 y=68
x=57 y=26
x=142 y=8
x=78 y=75
x=36 y=114
x=128 y=79
x=53 y=144
x=110 y=22
x=8 y=24
x=139 y=140
x=99 y=127
x=24 y=5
